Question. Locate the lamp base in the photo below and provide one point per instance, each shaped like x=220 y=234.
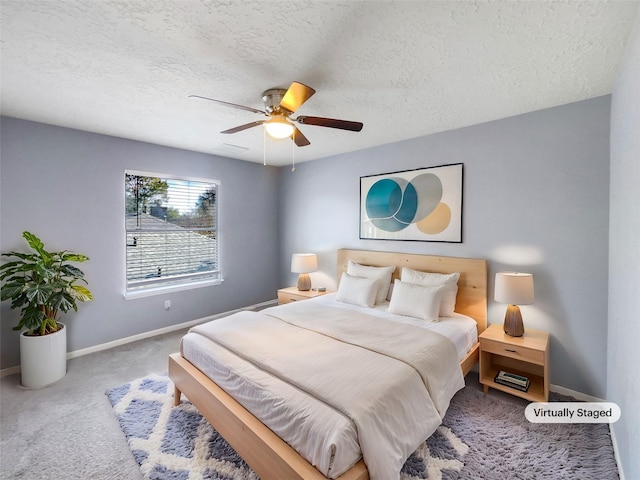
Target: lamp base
x=304 y=282
x=513 y=325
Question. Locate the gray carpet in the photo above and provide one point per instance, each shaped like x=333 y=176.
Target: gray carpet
x=481 y=438
x=68 y=430
x=504 y=445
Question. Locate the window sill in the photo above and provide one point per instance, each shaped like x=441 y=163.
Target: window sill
x=150 y=292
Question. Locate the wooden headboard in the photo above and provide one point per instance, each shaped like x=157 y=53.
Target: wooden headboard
x=472 y=286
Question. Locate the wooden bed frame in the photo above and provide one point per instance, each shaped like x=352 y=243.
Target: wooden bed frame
x=266 y=453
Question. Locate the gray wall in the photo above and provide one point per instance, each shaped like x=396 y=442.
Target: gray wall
x=67 y=186
x=624 y=257
x=536 y=199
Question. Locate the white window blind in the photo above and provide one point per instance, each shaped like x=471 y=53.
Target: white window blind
x=172 y=232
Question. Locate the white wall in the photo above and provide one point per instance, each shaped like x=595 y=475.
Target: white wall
x=536 y=198
x=67 y=187
x=624 y=257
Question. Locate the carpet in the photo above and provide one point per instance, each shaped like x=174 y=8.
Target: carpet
x=481 y=438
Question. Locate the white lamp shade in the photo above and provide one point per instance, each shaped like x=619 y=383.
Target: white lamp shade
x=514 y=288
x=277 y=127
x=304 y=262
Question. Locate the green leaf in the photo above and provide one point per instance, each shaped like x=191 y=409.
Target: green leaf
x=38 y=294
x=43 y=272
x=25 y=256
x=71 y=271
x=19 y=301
x=10 y=290
x=10 y=265
x=63 y=301
x=81 y=293
x=34 y=242
x=32 y=318
x=74 y=257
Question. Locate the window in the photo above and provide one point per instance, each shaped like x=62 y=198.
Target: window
x=171 y=232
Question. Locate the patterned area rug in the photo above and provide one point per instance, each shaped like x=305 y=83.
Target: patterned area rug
x=481 y=438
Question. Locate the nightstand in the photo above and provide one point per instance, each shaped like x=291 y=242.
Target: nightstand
x=292 y=294
x=527 y=356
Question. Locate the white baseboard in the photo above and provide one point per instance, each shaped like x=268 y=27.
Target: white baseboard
x=9 y=371
x=573 y=393
x=588 y=398
x=616 y=452
x=141 y=336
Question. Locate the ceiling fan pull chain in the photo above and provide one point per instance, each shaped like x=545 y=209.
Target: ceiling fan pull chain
x=264 y=147
x=293 y=152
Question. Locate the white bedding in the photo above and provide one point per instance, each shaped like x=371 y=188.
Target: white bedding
x=325 y=435
x=460 y=329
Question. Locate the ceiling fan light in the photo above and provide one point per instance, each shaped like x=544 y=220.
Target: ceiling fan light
x=277 y=127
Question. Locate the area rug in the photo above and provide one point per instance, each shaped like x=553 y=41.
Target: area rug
x=481 y=438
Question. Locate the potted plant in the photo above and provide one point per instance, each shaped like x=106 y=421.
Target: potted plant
x=42 y=284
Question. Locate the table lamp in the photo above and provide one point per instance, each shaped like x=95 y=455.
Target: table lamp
x=304 y=263
x=514 y=289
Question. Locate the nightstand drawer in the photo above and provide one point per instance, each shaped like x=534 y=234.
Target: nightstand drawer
x=292 y=294
x=512 y=351
x=286 y=297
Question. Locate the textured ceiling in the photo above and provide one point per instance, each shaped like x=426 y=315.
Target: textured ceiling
x=404 y=69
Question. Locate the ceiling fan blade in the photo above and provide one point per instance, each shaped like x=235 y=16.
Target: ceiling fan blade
x=297 y=94
x=234 y=105
x=244 y=127
x=330 y=122
x=299 y=139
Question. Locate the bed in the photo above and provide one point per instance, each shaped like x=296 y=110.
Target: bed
x=258 y=445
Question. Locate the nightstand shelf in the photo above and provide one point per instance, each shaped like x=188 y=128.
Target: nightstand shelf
x=527 y=355
x=292 y=294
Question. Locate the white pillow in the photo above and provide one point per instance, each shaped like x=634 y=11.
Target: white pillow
x=428 y=279
x=357 y=290
x=416 y=301
x=382 y=274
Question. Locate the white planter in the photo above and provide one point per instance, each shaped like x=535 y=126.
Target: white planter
x=43 y=360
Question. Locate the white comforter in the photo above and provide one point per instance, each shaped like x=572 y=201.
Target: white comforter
x=397 y=385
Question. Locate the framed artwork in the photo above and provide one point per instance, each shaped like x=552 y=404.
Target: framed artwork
x=421 y=205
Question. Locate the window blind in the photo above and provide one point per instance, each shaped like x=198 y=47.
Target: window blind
x=172 y=235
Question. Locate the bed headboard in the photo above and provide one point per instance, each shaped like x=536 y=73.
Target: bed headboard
x=472 y=285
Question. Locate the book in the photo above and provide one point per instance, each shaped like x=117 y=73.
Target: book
x=508 y=383
x=522 y=388
x=511 y=377
x=512 y=380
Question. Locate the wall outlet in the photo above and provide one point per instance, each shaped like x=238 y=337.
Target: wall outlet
x=167 y=304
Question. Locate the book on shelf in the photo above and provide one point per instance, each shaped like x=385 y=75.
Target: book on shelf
x=512 y=377
x=512 y=380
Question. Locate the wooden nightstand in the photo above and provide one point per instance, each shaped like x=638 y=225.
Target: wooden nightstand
x=527 y=355
x=292 y=294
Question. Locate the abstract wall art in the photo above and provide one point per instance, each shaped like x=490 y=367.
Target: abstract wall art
x=421 y=205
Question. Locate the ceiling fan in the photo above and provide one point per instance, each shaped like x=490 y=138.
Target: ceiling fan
x=279 y=106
